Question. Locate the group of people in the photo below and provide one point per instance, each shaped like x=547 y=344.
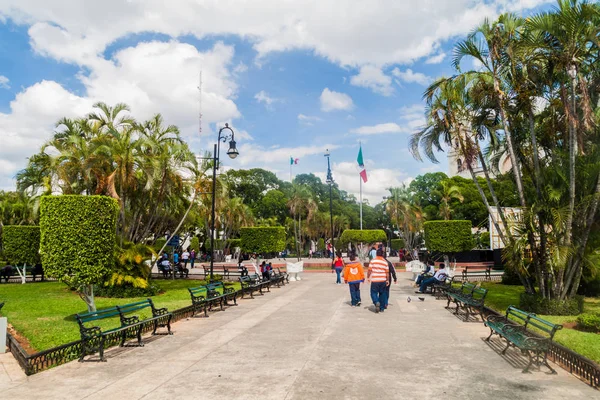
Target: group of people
x=178 y=262
x=381 y=273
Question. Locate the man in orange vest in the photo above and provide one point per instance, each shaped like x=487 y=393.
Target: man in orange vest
x=379 y=275
x=354 y=274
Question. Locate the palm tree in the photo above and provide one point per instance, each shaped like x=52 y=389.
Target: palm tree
x=447 y=193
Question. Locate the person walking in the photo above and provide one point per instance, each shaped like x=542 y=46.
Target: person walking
x=192 y=258
x=379 y=276
x=338 y=264
x=392 y=276
x=185 y=257
x=354 y=274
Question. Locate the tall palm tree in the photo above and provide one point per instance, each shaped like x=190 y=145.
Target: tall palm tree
x=447 y=193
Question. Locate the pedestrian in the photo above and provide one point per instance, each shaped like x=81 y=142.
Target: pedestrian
x=338 y=264
x=379 y=276
x=175 y=259
x=264 y=271
x=354 y=274
x=372 y=253
x=329 y=250
x=192 y=258
x=185 y=257
x=310 y=253
x=439 y=277
x=393 y=276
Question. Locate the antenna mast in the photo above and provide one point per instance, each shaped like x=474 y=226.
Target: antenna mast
x=200 y=104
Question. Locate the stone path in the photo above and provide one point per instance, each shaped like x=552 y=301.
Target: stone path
x=304 y=341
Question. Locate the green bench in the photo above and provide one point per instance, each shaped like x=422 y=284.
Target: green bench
x=250 y=284
x=513 y=327
x=94 y=338
x=469 y=296
x=440 y=289
x=285 y=275
x=276 y=278
x=204 y=297
x=198 y=295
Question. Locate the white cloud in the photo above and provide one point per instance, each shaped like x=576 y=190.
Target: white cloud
x=263 y=97
x=389 y=127
x=331 y=101
x=436 y=59
x=412 y=117
x=409 y=76
x=345 y=174
x=4 y=82
x=150 y=77
x=240 y=68
x=307 y=119
x=75 y=33
x=373 y=78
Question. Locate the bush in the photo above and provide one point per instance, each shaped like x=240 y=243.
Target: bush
x=448 y=236
x=589 y=322
x=397 y=244
x=262 y=239
x=78 y=238
x=366 y=236
x=320 y=244
x=484 y=240
x=510 y=277
x=126 y=291
x=233 y=243
x=159 y=243
x=537 y=304
x=195 y=244
x=21 y=244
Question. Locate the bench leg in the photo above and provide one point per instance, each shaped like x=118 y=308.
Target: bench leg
x=548 y=365
x=468 y=311
x=526 y=370
x=101 y=350
x=221 y=302
x=449 y=299
x=457 y=307
x=506 y=348
x=169 y=324
x=139 y=336
x=123 y=338
x=155 y=327
x=489 y=337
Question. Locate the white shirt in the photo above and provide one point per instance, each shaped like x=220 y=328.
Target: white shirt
x=441 y=274
x=185 y=255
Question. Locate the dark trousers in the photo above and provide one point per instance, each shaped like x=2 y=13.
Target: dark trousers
x=427 y=282
x=422 y=277
x=338 y=271
x=387 y=294
x=355 y=293
x=192 y=262
x=378 y=294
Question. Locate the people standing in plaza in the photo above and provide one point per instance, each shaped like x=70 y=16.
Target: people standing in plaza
x=392 y=277
x=354 y=274
x=338 y=264
x=379 y=276
x=185 y=257
x=264 y=271
x=372 y=253
x=192 y=258
x=175 y=258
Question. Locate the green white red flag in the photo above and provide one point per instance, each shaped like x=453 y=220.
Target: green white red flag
x=361 y=165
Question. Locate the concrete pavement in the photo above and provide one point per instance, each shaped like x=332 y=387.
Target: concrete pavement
x=304 y=341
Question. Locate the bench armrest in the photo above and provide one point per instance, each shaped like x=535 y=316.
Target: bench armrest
x=497 y=318
x=160 y=311
x=90 y=333
x=129 y=320
x=537 y=343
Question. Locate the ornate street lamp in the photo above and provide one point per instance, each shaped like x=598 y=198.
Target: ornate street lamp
x=232 y=152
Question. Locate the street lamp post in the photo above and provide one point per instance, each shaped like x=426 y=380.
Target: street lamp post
x=232 y=153
x=329 y=181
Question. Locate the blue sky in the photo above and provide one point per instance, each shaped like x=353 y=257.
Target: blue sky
x=291 y=78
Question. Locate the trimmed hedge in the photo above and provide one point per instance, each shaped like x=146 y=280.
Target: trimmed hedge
x=78 y=237
x=21 y=244
x=448 y=236
x=397 y=244
x=263 y=239
x=484 y=239
x=159 y=243
x=233 y=243
x=364 y=236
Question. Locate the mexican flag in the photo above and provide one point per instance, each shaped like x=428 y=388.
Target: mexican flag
x=293 y=160
x=361 y=165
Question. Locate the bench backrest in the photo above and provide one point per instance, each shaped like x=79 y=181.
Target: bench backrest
x=214 y=286
x=132 y=307
x=514 y=314
x=245 y=279
x=97 y=315
x=543 y=325
x=467 y=288
x=197 y=291
x=253 y=277
x=479 y=293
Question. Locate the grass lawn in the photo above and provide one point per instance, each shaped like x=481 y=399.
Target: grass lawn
x=587 y=344
x=44 y=313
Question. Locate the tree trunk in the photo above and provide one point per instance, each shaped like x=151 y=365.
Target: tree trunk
x=86 y=292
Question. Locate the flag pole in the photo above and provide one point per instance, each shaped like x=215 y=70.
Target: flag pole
x=360 y=179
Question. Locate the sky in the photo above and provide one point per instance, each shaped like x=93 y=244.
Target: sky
x=292 y=78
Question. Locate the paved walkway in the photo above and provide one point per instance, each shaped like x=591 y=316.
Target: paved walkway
x=304 y=341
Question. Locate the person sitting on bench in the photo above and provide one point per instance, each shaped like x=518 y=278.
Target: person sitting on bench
x=428 y=273
x=439 y=277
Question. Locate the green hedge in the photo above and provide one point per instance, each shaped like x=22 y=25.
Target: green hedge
x=233 y=243
x=159 y=243
x=364 y=236
x=589 y=322
x=397 y=244
x=484 y=239
x=263 y=239
x=448 y=236
x=78 y=237
x=195 y=244
x=320 y=244
x=21 y=244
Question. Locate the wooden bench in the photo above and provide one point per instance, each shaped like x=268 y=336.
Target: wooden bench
x=486 y=274
x=513 y=327
x=251 y=284
x=93 y=338
x=469 y=296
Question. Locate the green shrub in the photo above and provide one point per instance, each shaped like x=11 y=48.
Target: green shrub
x=589 y=322
x=195 y=244
x=397 y=244
x=263 y=239
x=448 y=236
x=320 y=244
x=78 y=238
x=510 y=277
x=233 y=243
x=366 y=236
x=131 y=268
x=159 y=243
x=21 y=244
x=484 y=240
x=536 y=304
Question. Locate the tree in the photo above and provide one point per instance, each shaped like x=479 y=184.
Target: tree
x=447 y=193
